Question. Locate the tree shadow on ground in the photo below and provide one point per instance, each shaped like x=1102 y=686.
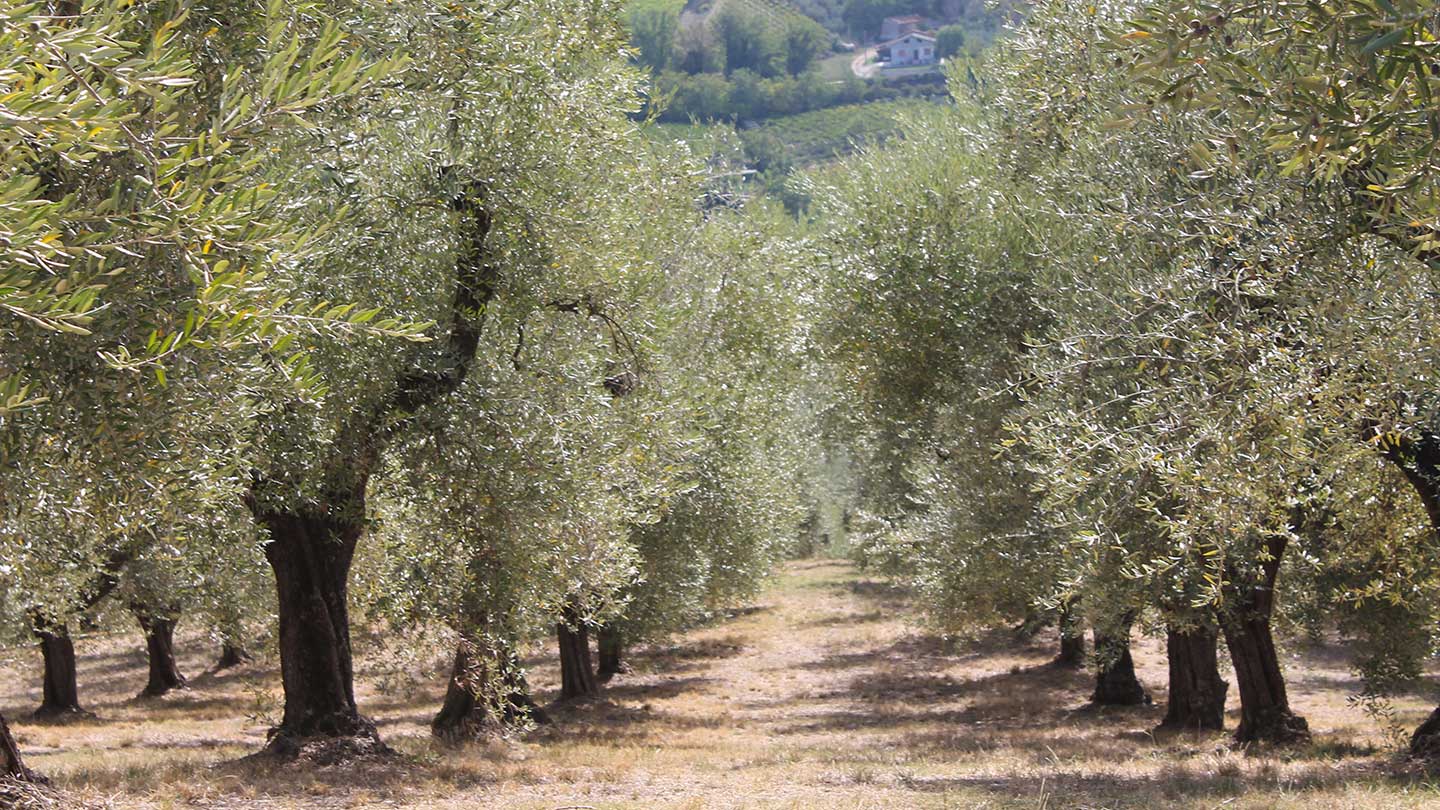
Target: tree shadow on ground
x=606 y=721
x=376 y=777
x=1301 y=680
x=845 y=619
x=878 y=594
x=1172 y=783
x=928 y=653
x=730 y=614
x=672 y=657
x=891 y=700
x=189 y=703
x=652 y=689
x=914 y=694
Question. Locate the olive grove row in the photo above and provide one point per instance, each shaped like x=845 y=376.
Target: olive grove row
x=394 y=308
x=1149 y=341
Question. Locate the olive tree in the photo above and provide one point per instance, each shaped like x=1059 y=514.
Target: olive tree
x=137 y=237
x=510 y=510
x=731 y=366
x=462 y=186
x=931 y=301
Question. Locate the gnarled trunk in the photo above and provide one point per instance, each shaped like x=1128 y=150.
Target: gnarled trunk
x=1035 y=620
x=310 y=554
x=232 y=654
x=160 y=647
x=1197 y=692
x=610 y=644
x=1419 y=460
x=1072 y=641
x=1265 y=713
x=1425 y=742
x=1115 y=681
x=577 y=668
x=12 y=766
x=61 y=693
x=467 y=713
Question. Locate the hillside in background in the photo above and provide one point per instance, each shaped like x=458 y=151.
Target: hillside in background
x=796 y=79
x=858 y=18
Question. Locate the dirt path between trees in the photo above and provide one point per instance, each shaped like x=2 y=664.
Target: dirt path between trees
x=824 y=695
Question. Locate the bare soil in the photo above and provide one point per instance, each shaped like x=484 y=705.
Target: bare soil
x=826 y=694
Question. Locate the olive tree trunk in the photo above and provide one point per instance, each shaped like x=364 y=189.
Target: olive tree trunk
x=1265 y=714
x=487 y=692
x=60 y=692
x=1072 y=641
x=160 y=647
x=1072 y=652
x=310 y=554
x=1425 y=742
x=1115 y=681
x=1034 y=621
x=60 y=695
x=610 y=646
x=12 y=766
x=1197 y=692
x=1419 y=460
x=232 y=654
x=577 y=668
x=230 y=630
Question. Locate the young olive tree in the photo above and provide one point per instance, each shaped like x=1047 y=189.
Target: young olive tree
x=930 y=302
x=731 y=365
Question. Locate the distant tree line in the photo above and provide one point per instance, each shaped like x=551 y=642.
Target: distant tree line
x=863 y=18
x=976 y=22
x=735 y=38
x=748 y=95
x=745 y=64
x=740 y=64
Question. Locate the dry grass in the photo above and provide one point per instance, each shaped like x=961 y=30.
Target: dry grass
x=825 y=696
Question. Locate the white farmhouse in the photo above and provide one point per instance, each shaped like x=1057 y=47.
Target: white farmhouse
x=914 y=49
